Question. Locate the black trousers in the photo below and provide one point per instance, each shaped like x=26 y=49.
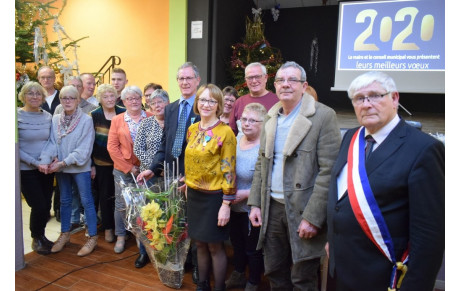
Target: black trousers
x=37 y=189
x=244 y=240
x=105 y=187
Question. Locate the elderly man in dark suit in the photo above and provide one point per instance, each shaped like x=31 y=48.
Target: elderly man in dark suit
x=386 y=197
x=46 y=77
x=178 y=117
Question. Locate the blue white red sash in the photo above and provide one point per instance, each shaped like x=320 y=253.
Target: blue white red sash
x=366 y=209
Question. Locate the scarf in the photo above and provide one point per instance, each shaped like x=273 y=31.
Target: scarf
x=67 y=123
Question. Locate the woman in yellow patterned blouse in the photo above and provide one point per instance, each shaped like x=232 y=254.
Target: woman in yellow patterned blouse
x=210 y=178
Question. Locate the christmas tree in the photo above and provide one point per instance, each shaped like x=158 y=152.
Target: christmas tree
x=254 y=48
x=32 y=47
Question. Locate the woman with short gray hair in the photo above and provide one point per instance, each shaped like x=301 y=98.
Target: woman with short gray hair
x=150 y=131
x=69 y=155
x=120 y=143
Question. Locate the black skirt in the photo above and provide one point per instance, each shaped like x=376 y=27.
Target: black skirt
x=202 y=211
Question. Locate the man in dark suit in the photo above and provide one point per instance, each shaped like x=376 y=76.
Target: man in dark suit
x=387 y=205
x=46 y=77
x=188 y=79
x=172 y=148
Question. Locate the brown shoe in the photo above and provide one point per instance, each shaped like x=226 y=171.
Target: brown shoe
x=62 y=240
x=89 y=246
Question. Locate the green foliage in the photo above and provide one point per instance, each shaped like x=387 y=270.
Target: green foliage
x=254 y=48
x=32 y=16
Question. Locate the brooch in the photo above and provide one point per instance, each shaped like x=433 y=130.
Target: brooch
x=207 y=137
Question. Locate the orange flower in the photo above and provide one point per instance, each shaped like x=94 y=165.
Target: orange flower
x=167 y=229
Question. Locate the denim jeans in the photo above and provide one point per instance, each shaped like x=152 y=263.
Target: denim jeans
x=83 y=182
x=77 y=208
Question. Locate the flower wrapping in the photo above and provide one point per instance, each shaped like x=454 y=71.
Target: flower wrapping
x=156 y=216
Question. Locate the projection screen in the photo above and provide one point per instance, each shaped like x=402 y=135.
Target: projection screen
x=403 y=38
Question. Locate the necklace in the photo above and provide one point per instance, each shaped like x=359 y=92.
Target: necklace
x=208 y=127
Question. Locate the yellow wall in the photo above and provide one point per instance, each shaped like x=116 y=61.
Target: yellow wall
x=135 y=30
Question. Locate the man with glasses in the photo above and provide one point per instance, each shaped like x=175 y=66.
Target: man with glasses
x=299 y=143
x=46 y=78
x=84 y=105
x=89 y=84
x=178 y=116
x=256 y=79
x=386 y=197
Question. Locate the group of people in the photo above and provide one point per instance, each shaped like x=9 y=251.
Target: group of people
x=269 y=171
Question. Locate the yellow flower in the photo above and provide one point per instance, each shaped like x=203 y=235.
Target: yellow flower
x=151 y=224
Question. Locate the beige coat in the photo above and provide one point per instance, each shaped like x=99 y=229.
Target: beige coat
x=309 y=153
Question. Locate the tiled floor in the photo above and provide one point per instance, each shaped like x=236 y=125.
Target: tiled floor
x=53 y=228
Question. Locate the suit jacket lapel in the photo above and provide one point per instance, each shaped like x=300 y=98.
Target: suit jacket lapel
x=391 y=144
x=174 y=115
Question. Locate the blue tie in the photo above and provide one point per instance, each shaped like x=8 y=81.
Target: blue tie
x=370 y=141
x=180 y=132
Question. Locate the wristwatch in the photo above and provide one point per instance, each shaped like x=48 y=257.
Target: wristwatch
x=227 y=202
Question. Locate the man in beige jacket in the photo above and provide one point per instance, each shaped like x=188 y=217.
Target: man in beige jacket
x=298 y=146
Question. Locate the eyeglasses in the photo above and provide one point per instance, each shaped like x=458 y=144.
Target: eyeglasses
x=133 y=99
x=359 y=100
x=250 y=120
x=291 y=81
x=255 y=78
x=155 y=103
x=209 y=101
x=187 y=79
x=32 y=94
x=46 y=77
x=229 y=100
x=67 y=99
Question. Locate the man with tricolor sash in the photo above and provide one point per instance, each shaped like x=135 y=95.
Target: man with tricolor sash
x=386 y=197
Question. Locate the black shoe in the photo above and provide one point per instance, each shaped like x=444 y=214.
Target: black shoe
x=141 y=261
x=57 y=214
x=195 y=275
x=203 y=286
x=40 y=246
x=47 y=241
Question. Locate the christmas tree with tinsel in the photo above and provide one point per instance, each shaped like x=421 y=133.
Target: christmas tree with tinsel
x=254 y=48
x=32 y=46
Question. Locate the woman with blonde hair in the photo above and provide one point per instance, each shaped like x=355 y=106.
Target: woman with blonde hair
x=103 y=164
x=34 y=127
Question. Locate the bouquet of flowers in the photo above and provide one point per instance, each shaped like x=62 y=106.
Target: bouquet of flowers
x=156 y=215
